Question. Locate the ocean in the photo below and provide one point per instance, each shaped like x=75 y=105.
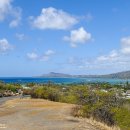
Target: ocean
x=62 y=80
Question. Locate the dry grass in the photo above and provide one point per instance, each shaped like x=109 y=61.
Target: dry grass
x=12 y=106
x=40 y=103
x=99 y=125
x=6 y=112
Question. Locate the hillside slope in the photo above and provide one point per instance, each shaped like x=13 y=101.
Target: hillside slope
x=119 y=75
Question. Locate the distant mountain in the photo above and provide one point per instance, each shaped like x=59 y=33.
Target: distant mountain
x=54 y=75
x=119 y=75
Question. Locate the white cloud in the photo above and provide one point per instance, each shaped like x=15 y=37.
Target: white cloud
x=79 y=36
x=20 y=36
x=49 y=52
x=5 y=46
x=45 y=57
x=111 y=57
x=116 y=60
x=6 y=9
x=17 y=14
x=95 y=65
x=32 y=56
x=51 y=18
x=125 y=42
x=87 y=17
x=120 y=56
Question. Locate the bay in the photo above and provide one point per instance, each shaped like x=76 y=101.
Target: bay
x=23 y=80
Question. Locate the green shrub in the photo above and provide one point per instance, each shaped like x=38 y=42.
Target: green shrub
x=105 y=107
x=68 y=99
x=122 y=118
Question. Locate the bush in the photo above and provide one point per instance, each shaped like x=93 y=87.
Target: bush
x=122 y=118
x=105 y=107
x=46 y=93
x=103 y=114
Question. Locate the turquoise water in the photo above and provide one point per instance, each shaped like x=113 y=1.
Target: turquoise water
x=62 y=80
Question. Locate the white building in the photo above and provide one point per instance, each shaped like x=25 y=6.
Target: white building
x=128 y=94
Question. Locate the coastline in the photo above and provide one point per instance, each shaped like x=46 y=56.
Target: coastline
x=57 y=80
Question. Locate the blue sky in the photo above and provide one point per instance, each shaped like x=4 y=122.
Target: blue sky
x=65 y=36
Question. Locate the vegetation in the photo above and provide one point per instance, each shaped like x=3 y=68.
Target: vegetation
x=101 y=101
x=91 y=102
x=10 y=88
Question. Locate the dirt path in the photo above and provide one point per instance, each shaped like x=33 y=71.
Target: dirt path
x=4 y=99
x=36 y=114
